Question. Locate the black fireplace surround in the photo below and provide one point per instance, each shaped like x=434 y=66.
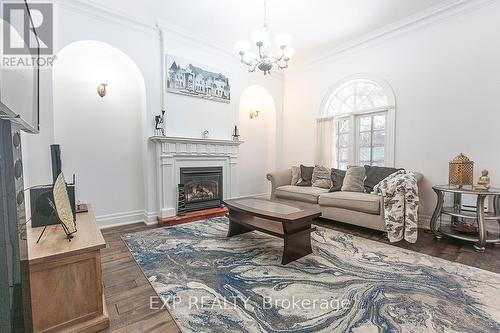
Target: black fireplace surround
x=202 y=187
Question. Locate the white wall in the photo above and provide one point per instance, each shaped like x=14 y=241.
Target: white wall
x=446 y=80
x=101 y=138
x=186 y=116
x=261 y=130
x=138 y=42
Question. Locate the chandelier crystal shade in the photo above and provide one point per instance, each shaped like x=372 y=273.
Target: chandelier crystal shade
x=265 y=60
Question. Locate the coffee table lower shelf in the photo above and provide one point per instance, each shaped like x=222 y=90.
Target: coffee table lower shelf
x=296 y=236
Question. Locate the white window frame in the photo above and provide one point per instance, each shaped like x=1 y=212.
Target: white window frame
x=357 y=130
x=389 y=110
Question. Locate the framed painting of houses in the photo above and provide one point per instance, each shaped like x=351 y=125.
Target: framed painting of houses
x=187 y=78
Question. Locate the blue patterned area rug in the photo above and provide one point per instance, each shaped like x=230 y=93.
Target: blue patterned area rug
x=211 y=283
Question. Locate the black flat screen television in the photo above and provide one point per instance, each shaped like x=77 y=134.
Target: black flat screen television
x=19 y=73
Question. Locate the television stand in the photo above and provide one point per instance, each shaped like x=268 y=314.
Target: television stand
x=66 y=278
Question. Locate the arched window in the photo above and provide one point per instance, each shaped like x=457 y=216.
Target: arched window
x=363 y=113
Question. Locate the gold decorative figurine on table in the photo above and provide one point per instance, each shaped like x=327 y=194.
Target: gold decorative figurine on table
x=484 y=181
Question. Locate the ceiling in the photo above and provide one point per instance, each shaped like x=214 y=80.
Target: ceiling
x=315 y=25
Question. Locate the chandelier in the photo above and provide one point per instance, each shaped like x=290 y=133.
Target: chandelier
x=265 y=60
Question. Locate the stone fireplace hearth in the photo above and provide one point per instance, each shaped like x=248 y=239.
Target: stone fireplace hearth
x=174 y=154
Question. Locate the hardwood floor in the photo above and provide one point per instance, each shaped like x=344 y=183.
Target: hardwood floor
x=128 y=291
x=447 y=248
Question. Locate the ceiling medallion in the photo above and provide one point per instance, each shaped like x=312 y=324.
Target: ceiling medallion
x=265 y=60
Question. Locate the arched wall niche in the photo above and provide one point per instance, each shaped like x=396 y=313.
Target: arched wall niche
x=258 y=133
x=101 y=138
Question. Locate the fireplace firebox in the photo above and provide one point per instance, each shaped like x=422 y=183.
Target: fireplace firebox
x=202 y=187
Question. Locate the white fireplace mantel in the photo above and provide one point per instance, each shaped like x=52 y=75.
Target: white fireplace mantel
x=174 y=153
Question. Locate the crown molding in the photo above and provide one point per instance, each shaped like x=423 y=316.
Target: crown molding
x=107 y=14
x=177 y=31
x=221 y=49
x=422 y=19
x=97 y=10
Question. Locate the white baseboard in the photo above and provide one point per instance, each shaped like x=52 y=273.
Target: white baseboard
x=148 y=218
x=119 y=219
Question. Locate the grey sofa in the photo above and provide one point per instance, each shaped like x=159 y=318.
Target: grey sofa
x=362 y=209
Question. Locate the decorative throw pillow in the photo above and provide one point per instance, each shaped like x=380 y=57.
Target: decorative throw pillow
x=354 y=179
x=337 y=179
x=321 y=177
x=375 y=175
x=305 y=176
x=295 y=175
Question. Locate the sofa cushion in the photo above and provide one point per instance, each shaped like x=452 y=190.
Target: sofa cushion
x=357 y=201
x=306 y=174
x=375 y=175
x=322 y=177
x=354 y=179
x=295 y=175
x=304 y=194
x=337 y=179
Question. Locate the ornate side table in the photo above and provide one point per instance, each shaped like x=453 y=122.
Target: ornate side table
x=488 y=223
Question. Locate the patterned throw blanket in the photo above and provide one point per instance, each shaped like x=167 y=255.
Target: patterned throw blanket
x=400 y=195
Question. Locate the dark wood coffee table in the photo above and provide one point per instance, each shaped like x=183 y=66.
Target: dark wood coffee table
x=292 y=224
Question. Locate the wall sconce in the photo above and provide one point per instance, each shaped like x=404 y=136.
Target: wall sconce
x=254 y=114
x=101 y=89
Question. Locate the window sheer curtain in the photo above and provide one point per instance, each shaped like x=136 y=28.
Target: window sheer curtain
x=325 y=142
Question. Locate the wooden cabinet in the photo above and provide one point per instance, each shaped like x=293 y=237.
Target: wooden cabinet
x=66 y=278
